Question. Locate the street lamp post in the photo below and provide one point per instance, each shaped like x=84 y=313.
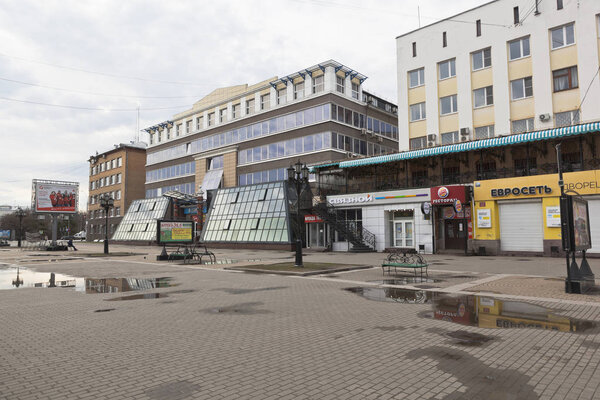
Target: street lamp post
x=298 y=175
x=106 y=202
x=20 y=214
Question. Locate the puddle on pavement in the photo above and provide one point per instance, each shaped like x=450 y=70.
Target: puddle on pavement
x=480 y=311
x=466 y=338
x=240 y=309
x=251 y=290
x=409 y=280
x=143 y=296
x=20 y=277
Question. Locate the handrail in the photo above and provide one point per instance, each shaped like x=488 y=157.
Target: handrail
x=358 y=236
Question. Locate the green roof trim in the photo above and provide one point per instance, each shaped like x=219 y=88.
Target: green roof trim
x=333 y=164
x=475 y=145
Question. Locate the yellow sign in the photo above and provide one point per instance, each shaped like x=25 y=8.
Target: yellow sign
x=181 y=233
x=526 y=187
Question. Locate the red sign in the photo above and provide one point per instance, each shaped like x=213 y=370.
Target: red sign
x=447 y=195
x=310 y=219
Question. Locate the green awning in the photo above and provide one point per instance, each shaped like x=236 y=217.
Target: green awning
x=476 y=145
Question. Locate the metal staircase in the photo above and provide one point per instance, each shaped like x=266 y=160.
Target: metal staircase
x=362 y=240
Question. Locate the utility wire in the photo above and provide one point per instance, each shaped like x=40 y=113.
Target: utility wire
x=96 y=94
x=586 y=92
x=103 y=73
x=93 y=108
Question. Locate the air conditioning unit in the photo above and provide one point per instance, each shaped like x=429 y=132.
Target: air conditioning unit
x=371 y=133
x=395 y=110
x=369 y=99
x=363 y=131
x=379 y=139
x=544 y=117
x=431 y=140
x=464 y=134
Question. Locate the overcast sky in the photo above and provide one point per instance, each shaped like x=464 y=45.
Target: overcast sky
x=97 y=61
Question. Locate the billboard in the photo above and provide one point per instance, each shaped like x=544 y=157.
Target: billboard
x=575 y=220
x=55 y=196
x=4 y=233
x=174 y=232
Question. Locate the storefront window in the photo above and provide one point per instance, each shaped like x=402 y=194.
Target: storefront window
x=401 y=229
x=353 y=218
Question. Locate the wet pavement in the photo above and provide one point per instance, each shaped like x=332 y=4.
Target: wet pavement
x=201 y=332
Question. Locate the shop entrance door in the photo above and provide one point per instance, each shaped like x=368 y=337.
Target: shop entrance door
x=403 y=234
x=454 y=234
x=317 y=235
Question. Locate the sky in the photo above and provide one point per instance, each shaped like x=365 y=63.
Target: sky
x=74 y=73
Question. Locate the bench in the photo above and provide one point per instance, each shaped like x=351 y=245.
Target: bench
x=407 y=259
x=189 y=252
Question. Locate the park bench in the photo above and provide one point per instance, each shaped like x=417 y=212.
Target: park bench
x=192 y=252
x=404 y=259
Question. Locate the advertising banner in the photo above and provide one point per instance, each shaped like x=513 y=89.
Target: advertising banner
x=175 y=232
x=448 y=195
x=55 y=197
x=4 y=233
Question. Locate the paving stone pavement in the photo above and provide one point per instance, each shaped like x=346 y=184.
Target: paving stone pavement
x=231 y=335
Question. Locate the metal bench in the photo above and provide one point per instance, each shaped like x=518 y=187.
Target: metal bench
x=405 y=259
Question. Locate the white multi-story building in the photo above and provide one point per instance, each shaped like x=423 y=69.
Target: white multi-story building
x=505 y=67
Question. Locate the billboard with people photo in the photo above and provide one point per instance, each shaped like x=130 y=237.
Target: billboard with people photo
x=55 y=197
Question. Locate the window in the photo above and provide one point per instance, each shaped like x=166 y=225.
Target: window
x=522 y=125
x=223 y=115
x=119 y=178
x=159 y=136
x=281 y=96
x=215 y=162
x=188 y=126
x=521 y=88
x=518 y=48
x=120 y=162
x=444 y=39
x=562 y=36
x=450 y=137
x=339 y=84
x=264 y=102
x=516 y=15
x=417 y=112
x=418 y=143
x=448 y=105
x=447 y=69
x=565 y=79
x=483 y=97
x=250 y=107
x=318 y=84
x=355 y=90
x=211 y=119
x=524 y=166
x=118 y=197
x=484 y=132
x=416 y=78
x=168 y=133
x=478 y=27
x=414 y=49
x=199 y=123
x=482 y=59
x=298 y=90
x=559 y=4
x=235 y=110
x=566 y=118
x=419 y=178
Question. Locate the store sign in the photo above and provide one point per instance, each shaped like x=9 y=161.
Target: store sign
x=426 y=208
x=447 y=195
x=521 y=191
x=351 y=200
x=311 y=219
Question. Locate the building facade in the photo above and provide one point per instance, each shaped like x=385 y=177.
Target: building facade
x=506 y=67
x=245 y=135
x=120 y=173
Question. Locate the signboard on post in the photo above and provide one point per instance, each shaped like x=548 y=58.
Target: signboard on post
x=4 y=233
x=576 y=224
x=174 y=232
x=54 y=196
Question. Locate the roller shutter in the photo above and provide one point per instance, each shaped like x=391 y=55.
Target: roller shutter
x=521 y=226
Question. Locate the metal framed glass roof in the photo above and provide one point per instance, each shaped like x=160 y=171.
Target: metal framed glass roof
x=139 y=223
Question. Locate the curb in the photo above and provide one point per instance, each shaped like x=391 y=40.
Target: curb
x=290 y=273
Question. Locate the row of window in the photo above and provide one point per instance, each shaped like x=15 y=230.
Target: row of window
x=106 y=166
x=99 y=229
x=567 y=118
x=306 y=144
x=562 y=79
x=519 y=48
x=187 y=188
x=106 y=181
x=173 y=171
x=359 y=146
x=113 y=212
x=272 y=175
x=356 y=119
x=95 y=199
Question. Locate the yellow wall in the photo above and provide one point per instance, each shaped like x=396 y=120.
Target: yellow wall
x=492 y=233
x=447 y=87
x=418 y=128
x=550 y=233
x=416 y=95
x=230 y=169
x=563 y=57
x=483 y=116
x=520 y=68
x=567 y=100
x=449 y=123
x=481 y=78
x=521 y=109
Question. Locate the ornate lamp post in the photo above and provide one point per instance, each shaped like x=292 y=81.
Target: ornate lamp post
x=298 y=175
x=106 y=202
x=20 y=214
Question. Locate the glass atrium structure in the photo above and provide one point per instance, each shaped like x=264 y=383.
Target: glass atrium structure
x=140 y=221
x=249 y=214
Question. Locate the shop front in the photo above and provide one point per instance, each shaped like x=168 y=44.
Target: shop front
x=522 y=215
x=451 y=211
x=316 y=232
x=396 y=218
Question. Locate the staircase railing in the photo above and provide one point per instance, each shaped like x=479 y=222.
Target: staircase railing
x=358 y=236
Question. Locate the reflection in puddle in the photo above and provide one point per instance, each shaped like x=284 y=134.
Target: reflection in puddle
x=483 y=312
x=144 y=296
x=118 y=285
x=227 y=261
x=409 y=280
